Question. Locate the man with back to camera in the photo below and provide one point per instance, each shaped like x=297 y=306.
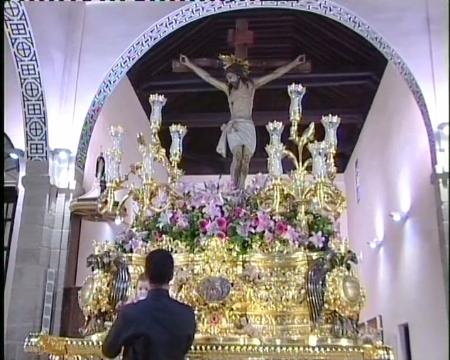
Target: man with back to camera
x=158 y=327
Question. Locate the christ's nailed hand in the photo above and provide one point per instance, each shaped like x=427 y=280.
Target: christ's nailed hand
x=184 y=59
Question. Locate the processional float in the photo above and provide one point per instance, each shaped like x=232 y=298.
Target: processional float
x=265 y=268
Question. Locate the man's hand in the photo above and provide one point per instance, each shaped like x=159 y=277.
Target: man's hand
x=184 y=59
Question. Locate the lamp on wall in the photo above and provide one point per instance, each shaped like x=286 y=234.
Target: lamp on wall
x=61 y=167
x=397 y=216
x=16 y=154
x=375 y=243
x=442 y=136
x=444 y=128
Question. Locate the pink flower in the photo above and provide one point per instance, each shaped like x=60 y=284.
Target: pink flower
x=239 y=212
x=281 y=228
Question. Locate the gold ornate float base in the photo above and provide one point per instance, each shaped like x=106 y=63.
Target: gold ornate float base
x=60 y=348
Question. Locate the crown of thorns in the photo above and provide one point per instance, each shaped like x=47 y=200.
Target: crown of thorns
x=231 y=60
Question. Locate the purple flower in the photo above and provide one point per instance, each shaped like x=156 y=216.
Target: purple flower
x=212 y=210
x=222 y=224
x=291 y=235
x=161 y=200
x=125 y=236
x=164 y=218
x=136 y=245
x=228 y=187
x=136 y=207
x=141 y=235
x=243 y=229
x=259 y=181
x=263 y=222
x=198 y=200
x=211 y=186
x=317 y=239
x=181 y=220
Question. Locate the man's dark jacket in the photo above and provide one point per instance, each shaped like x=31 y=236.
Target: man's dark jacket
x=156 y=328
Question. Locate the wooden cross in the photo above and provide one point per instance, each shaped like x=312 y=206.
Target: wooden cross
x=241 y=39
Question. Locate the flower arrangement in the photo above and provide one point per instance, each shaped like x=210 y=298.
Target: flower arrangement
x=216 y=211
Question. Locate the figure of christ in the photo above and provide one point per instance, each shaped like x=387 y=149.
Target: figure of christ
x=239 y=132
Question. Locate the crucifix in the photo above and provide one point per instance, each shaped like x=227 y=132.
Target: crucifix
x=239 y=133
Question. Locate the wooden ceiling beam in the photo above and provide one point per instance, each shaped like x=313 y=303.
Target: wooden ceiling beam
x=174 y=83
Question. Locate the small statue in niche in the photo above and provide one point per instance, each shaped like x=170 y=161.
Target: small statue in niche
x=100 y=171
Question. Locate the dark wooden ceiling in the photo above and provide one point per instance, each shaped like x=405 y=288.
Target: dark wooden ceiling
x=345 y=71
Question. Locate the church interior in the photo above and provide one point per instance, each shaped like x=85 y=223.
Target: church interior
x=323 y=234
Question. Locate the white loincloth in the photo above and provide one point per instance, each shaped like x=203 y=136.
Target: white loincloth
x=238 y=132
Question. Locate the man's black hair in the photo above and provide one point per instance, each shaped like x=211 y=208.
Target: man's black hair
x=159 y=267
x=239 y=71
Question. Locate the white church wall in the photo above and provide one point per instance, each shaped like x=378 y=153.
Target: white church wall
x=403 y=277
x=58 y=29
x=417 y=29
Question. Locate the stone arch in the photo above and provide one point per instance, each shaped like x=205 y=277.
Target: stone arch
x=21 y=41
x=197 y=10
